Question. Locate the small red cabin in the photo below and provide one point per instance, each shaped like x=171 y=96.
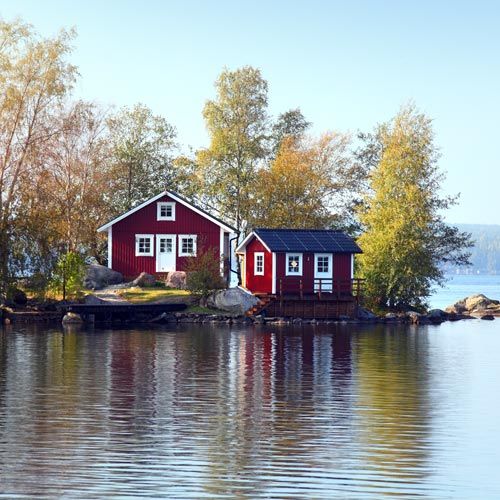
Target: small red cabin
x=291 y=261
x=160 y=234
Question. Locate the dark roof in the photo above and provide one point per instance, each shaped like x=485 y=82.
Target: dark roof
x=307 y=240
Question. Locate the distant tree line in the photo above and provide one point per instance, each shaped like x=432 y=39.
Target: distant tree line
x=485 y=254
x=68 y=166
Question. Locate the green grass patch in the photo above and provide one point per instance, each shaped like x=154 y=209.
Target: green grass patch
x=145 y=295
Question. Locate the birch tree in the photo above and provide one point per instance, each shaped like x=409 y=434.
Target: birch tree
x=237 y=124
x=34 y=78
x=406 y=239
x=142 y=154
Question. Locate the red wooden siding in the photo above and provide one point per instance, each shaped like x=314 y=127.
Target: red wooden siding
x=292 y=283
x=258 y=284
x=144 y=222
x=263 y=284
x=342 y=270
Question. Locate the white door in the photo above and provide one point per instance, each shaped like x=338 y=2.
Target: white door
x=323 y=272
x=165 y=253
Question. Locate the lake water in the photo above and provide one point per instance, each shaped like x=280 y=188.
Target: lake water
x=461 y=285
x=338 y=411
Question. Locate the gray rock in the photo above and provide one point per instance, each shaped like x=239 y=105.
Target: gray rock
x=414 y=317
x=233 y=300
x=365 y=314
x=93 y=300
x=98 y=277
x=488 y=317
x=437 y=316
x=176 y=279
x=474 y=303
x=144 y=280
x=437 y=313
x=72 y=318
x=478 y=302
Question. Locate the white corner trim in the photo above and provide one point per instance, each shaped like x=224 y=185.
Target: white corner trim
x=256 y=255
x=110 y=247
x=352 y=266
x=301 y=258
x=273 y=284
x=221 y=251
x=151 y=245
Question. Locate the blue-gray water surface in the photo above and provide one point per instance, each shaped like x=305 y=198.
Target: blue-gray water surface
x=339 y=411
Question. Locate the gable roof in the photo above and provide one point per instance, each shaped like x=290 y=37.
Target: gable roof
x=303 y=240
x=175 y=197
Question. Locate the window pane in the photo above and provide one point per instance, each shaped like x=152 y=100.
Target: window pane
x=144 y=245
x=259 y=263
x=187 y=245
x=323 y=264
x=293 y=263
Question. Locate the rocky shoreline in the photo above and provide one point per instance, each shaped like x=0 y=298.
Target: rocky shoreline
x=472 y=307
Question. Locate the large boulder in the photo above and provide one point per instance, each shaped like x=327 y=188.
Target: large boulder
x=475 y=304
x=92 y=300
x=144 y=280
x=98 y=277
x=176 y=279
x=72 y=318
x=437 y=316
x=233 y=300
x=479 y=302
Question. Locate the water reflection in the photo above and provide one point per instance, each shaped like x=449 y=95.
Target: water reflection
x=217 y=412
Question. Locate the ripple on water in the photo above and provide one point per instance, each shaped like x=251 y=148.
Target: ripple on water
x=220 y=413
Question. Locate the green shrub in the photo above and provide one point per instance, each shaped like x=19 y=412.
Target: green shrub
x=203 y=274
x=67 y=278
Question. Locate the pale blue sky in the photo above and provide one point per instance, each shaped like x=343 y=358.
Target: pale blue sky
x=347 y=65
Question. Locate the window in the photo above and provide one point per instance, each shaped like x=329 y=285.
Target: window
x=143 y=245
x=187 y=245
x=166 y=245
x=293 y=264
x=258 y=268
x=323 y=264
x=165 y=210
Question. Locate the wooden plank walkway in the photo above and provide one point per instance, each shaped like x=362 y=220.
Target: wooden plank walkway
x=110 y=313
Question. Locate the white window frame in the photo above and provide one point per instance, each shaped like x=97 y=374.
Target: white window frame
x=187 y=254
x=287 y=271
x=162 y=204
x=151 y=245
x=256 y=255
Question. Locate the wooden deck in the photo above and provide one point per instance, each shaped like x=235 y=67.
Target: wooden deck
x=120 y=312
x=332 y=300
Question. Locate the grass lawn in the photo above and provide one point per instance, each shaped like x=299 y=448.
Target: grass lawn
x=137 y=295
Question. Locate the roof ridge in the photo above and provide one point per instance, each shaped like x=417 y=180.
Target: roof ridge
x=297 y=230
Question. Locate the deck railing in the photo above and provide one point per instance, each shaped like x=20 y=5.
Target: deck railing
x=327 y=287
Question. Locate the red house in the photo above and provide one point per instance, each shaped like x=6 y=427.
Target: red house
x=159 y=235
x=293 y=261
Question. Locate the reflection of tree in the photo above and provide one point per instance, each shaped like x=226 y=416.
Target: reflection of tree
x=392 y=404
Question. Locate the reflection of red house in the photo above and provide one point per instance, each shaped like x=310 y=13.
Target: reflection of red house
x=276 y=261
x=160 y=234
